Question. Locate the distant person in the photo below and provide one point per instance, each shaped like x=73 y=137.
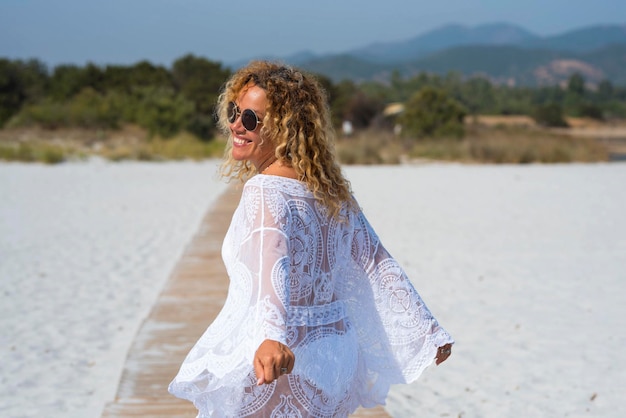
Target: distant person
x=319 y=318
x=346 y=128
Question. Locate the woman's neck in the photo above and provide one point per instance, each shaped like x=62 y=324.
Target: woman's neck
x=270 y=161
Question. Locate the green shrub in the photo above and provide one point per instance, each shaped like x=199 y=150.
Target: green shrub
x=89 y=109
x=430 y=113
x=590 y=110
x=163 y=112
x=37 y=152
x=46 y=114
x=203 y=126
x=549 y=115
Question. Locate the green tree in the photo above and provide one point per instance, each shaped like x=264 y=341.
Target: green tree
x=550 y=115
x=512 y=101
x=574 y=95
x=605 y=90
x=344 y=91
x=34 y=79
x=162 y=111
x=431 y=113
x=361 y=110
x=328 y=86
x=576 y=84
x=477 y=96
x=548 y=94
x=590 y=110
x=46 y=114
x=90 y=109
x=199 y=81
x=66 y=81
x=396 y=86
x=21 y=83
x=142 y=74
x=11 y=90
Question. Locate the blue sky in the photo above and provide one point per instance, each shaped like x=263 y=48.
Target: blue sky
x=127 y=31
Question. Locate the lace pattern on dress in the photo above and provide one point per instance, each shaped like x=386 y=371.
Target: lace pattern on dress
x=327 y=289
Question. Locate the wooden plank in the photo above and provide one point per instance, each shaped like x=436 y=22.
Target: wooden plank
x=191 y=299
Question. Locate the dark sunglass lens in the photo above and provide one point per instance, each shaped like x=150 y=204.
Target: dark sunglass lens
x=232 y=112
x=248 y=120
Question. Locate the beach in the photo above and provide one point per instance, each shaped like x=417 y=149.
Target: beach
x=85 y=249
x=524 y=265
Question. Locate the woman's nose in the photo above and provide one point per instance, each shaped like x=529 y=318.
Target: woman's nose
x=236 y=124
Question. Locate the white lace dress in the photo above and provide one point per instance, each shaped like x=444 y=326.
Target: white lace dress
x=327 y=289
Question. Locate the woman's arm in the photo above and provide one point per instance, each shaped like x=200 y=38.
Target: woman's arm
x=266 y=255
x=414 y=334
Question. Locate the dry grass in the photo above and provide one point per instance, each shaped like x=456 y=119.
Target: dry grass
x=502 y=120
x=34 y=152
x=522 y=146
x=371 y=147
x=497 y=144
x=129 y=143
x=183 y=146
x=501 y=139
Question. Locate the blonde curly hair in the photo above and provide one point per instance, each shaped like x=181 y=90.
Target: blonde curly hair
x=297 y=123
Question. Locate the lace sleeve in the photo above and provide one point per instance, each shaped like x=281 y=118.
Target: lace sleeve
x=264 y=253
x=412 y=332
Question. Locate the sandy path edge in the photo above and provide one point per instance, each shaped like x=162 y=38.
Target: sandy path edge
x=191 y=298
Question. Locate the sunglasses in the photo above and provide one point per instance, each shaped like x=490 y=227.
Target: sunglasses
x=249 y=118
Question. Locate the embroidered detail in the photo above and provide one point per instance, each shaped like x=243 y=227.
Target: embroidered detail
x=286 y=408
x=316 y=315
x=327 y=289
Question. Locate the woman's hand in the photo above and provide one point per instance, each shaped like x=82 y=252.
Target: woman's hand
x=443 y=353
x=271 y=360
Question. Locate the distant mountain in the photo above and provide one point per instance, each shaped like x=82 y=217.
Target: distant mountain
x=503 y=64
x=445 y=37
x=612 y=61
x=296 y=59
x=502 y=52
x=523 y=66
x=344 y=66
x=581 y=40
x=450 y=36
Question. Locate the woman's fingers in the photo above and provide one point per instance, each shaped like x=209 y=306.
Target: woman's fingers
x=258 y=371
x=291 y=362
x=271 y=360
x=443 y=353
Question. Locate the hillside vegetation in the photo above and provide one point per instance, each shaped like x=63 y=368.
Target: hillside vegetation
x=502 y=53
x=147 y=111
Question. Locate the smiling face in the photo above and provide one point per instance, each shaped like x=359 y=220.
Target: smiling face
x=249 y=145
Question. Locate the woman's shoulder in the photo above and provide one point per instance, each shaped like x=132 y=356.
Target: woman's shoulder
x=272 y=183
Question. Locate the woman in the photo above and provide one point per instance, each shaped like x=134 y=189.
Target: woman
x=319 y=318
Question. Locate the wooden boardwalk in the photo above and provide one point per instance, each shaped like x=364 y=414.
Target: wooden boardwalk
x=190 y=300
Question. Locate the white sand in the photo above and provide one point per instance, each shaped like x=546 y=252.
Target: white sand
x=84 y=251
x=524 y=265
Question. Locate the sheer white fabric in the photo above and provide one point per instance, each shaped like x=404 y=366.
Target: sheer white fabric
x=329 y=290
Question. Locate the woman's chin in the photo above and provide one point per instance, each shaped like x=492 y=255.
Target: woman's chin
x=238 y=155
